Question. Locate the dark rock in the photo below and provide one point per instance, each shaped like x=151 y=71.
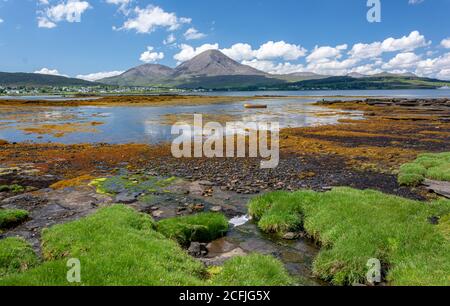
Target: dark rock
x=197 y=249
x=127 y=197
x=433 y=220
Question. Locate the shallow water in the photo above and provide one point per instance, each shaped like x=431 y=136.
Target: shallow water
x=146 y=124
x=296 y=255
x=405 y=93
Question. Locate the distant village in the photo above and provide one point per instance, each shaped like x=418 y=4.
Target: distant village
x=81 y=90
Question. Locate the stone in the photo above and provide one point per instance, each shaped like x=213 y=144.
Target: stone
x=290 y=236
x=439 y=187
x=157 y=213
x=127 y=197
x=197 y=249
x=216 y=209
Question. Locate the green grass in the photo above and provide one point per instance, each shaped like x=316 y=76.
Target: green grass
x=16 y=255
x=119 y=246
x=12 y=217
x=203 y=227
x=252 y=270
x=12 y=188
x=426 y=166
x=354 y=226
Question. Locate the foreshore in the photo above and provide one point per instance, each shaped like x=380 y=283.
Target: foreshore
x=362 y=154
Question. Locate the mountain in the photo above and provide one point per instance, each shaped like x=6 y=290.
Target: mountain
x=213 y=63
x=364 y=83
x=141 y=76
x=14 y=79
x=300 y=76
x=209 y=70
x=388 y=74
x=357 y=75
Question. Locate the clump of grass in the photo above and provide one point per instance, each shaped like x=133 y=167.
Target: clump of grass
x=16 y=255
x=12 y=217
x=354 y=226
x=12 y=188
x=203 y=227
x=119 y=246
x=444 y=226
x=426 y=166
x=252 y=270
x=116 y=246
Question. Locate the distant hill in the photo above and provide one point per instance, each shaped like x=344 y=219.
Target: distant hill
x=213 y=63
x=300 y=76
x=213 y=70
x=203 y=71
x=141 y=76
x=14 y=79
x=363 y=83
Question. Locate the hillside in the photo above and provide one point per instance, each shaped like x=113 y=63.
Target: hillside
x=39 y=80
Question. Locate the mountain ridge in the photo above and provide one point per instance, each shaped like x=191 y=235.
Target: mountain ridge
x=40 y=80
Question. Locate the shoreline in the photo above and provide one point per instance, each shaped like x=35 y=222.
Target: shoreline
x=361 y=154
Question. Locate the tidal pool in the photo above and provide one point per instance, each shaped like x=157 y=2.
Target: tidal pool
x=147 y=124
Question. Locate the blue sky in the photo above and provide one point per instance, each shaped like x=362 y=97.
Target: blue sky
x=83 y=37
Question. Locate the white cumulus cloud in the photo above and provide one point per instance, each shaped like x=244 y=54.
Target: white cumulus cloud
x=279 y=49
x=446 y=43
x=146 y=20
x=240 y=52
x=193 y=33
x=170 y=39
x=49 y=72
x=150 y=56
x=69 y=11
x=98 y=75
x=406 y=43
x=402 y=61
x=188 y=52
x=326 y=52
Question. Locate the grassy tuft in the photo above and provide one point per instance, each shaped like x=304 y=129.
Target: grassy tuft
x=426 y=166
x=203 y=227
x=16 y=255
x=12 y=188
x=354 y=226
x=252 y=270
x=119 y=246
x=12 y=217
x=116 y=246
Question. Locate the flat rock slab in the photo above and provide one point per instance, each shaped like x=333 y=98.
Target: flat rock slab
x=439 y=187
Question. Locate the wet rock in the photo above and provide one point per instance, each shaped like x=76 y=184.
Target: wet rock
x=220 y=260
x=206 y=183
x=216 y=209
x=23 y=201
x=197 y=249
x=157 y=213
x=127 y=197
x=291 y=236
x=433 y=220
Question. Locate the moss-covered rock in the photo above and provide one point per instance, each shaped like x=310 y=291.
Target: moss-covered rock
x=12 y=217
x=203 y=227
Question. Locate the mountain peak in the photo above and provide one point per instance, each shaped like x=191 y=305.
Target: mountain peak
x=214 y=63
